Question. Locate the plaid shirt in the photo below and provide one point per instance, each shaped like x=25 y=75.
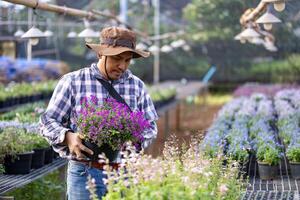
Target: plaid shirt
x=64 y=105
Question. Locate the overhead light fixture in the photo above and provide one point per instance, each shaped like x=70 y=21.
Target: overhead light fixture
x=279 y=5
x=166 y=49
x=88 y=33
x=72 y=34
x=297 y=32
x=33 y=34
x=177 y=43
x=141 y=46
x=269 y=45
x=268 y=19
x=238 y=37
x=153 y=49
x=257 y=41
x=19 y=32
x=186 y=47
x=48 y=33
x=249 y=33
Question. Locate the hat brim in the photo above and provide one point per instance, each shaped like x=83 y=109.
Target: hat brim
x=105 y=50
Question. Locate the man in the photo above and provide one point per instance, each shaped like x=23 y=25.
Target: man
x=115 y=51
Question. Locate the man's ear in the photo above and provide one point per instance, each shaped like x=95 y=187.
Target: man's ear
x=99 y=56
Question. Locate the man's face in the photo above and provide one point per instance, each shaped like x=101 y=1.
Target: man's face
x=118 y=64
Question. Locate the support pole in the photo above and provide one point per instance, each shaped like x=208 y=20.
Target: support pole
x=29 y=50
x=156 y=43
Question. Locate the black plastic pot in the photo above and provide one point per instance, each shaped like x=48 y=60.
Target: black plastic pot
x=105 y=148
x=55 y=155
x=49 y=154
x=295 y=169
x=38 y=158
x=266 y=171
x=19 y=165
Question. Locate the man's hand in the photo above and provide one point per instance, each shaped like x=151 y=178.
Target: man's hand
x=75 y=145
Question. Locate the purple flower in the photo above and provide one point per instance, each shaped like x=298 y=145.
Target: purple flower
x=110 y=122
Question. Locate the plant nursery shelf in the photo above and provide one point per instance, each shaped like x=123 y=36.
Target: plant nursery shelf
x=284 y=187
x=10 y=182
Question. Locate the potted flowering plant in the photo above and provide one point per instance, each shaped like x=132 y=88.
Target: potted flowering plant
x=105 y=127
x=293 y=155
x=268 y=158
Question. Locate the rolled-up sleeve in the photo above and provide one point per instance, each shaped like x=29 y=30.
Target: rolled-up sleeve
x=53 y=121
x=146 y=105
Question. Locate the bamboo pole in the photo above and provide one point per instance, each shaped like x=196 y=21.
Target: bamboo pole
x=54 y=8
x=251 y=15
x=90 y=15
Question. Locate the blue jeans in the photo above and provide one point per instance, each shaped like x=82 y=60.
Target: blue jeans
x=77 y=181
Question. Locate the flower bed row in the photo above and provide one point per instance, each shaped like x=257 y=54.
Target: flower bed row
x=250 y=130
x=268 y=89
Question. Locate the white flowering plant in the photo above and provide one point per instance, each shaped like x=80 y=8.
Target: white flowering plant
x=181 y=173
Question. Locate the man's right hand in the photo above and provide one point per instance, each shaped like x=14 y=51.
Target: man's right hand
x=75 y=145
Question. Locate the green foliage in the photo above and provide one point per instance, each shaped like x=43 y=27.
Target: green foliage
x=27 y=113
x=37 y=141
x=280 y=71
x=293 y=154
x=161 y=94
x=49 y=187
x=15 y=141
x=2 y=170
x=214 y=18
x=268 y=154
x=26 y=89
x=182 y=174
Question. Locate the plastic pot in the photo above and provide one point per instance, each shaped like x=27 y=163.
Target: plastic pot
x=266 y=171
x=105 y=148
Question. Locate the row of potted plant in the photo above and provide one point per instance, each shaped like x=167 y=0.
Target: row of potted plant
x=266 y=147
x=161 y=96
x=23 y=151
x=19 y=93
x=288 y=126
x=215 y=138
x=27 y=113
x=251 y=130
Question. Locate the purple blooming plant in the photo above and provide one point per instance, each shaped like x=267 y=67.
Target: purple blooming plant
x=110 y=122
